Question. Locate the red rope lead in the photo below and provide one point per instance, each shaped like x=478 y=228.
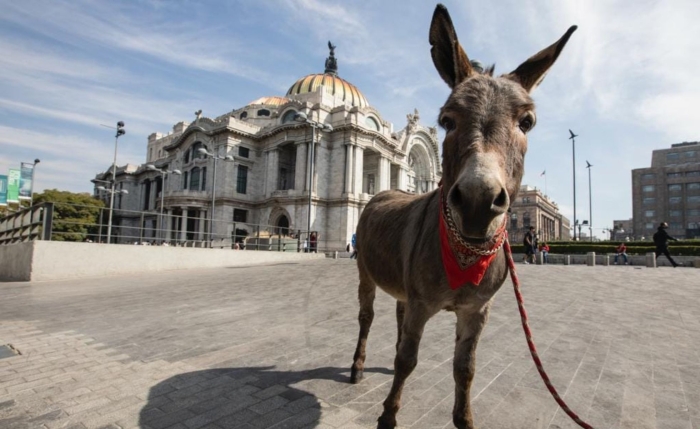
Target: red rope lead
x=531 y=343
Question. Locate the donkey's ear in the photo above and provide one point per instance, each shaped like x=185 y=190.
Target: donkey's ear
x=448 y=56
x=530 y=73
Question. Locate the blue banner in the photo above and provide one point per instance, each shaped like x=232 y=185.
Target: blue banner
x=3 y=190
x=25 y=181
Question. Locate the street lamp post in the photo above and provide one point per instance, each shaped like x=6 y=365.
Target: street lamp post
x=301 y=117
x=590 y=200
x=120 y=132
x=230 y=158
x=31 y=194
x=163 y=173
x=573 y=151
x=111 y=191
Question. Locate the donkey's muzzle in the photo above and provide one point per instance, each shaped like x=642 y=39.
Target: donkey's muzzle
x=477 y=207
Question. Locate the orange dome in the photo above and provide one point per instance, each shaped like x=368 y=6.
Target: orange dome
x=333 y=85
x=270 y=101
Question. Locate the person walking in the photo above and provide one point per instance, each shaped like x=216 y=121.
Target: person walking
x=529 y=243
x=621 y=251
x=661 y=238
x=314 y=243
x=353 y=245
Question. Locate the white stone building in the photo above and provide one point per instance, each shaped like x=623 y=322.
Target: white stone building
x=262 y=177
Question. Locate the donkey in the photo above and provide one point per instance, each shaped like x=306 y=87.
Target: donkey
x=443 y=249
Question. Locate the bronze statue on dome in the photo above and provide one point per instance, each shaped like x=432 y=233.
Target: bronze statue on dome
x=331 y=62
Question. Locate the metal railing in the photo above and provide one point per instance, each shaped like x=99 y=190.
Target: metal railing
x=32 y=223
x=74 y=222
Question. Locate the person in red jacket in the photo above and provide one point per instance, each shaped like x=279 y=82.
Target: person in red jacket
x=621 y=250
x=544 y=249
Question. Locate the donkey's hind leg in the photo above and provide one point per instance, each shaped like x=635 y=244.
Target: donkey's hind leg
x=366 y=292
x=400 y=311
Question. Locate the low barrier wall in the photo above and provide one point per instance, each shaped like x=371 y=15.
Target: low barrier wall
x=636 y=260
x=55 y=260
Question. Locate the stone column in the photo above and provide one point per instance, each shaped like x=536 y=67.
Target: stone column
x=202 y=223
x=348 y=169
x=300 y=176
x=272 y=171
x=384 y=173
x=402 y=179
x=359 y=169
x=183 y=225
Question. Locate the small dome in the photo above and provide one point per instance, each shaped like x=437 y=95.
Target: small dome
x=269 y=101
x=333 y=85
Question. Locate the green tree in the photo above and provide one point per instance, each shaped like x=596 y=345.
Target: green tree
x=75 y=215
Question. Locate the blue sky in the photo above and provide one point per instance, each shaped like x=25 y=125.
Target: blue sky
x=626 y=83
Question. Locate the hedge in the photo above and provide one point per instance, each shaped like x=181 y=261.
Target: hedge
x=639 y=248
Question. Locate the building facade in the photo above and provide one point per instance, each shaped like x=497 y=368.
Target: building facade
x=261 y=174
x=668 y=191
x=622 y=230
x=532 y=208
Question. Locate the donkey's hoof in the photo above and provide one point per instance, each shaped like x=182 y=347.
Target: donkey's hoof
x=356 y=376
x=386 y=422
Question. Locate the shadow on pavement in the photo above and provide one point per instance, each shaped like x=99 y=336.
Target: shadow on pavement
x=255 y=397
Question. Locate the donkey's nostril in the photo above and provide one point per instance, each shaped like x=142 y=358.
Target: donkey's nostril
x=500 y=204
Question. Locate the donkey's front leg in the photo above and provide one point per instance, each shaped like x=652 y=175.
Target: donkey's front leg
x=470 y=322
x=414 y=318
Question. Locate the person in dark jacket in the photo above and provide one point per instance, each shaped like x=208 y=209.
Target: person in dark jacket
x=661 y=238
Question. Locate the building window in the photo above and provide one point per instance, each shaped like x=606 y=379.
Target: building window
x=675 y=188
x=187 y=156
x=649 y=213
x=648 y=188
x=370 y=184
x=672 y=156
x=514 y=221
x=240 y=215
x=692 y=173
x=689 y=154
x=194 y=179
x=146 y=194
x=693 y=225
x=244 y=115
x=649 y=225
x=526 y=200
x=694 y=212
x=184 y=180
x=150 y=154
x=195 y=150
x=289 y=116
x=675 y=200
x=242 y=181
x=203 y=177
x=675 y=225
x=526 y=220
x=674 y=175
x=674 y=213
x=243 y=152
x=693 y=186
x=648 y=176
x=649 y=200
x=371 y=123
x=694 y=199
x=263 y=112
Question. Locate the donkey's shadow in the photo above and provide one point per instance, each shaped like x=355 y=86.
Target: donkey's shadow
x=260 y=397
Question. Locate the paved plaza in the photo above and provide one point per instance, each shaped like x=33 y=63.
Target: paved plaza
x=271 y=346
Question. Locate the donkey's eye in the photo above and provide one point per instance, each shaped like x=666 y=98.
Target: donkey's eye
x=526 y=124
x=447 y=123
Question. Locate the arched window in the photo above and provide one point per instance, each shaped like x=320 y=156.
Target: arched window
x=514 y=221
x=263 y=112
x=244 y=115
x=187 y=156
x=203 y=175
x=371 y=123
x=526 y=220
x=194 y=179
x=289 y=116
x=195 y=150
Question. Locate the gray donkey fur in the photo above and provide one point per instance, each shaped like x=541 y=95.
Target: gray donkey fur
x=486 y=120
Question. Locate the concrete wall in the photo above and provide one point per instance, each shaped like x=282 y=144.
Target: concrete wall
x=54 y=260
x=16 y=261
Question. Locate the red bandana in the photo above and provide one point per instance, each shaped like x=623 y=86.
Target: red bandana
x=463 y=262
